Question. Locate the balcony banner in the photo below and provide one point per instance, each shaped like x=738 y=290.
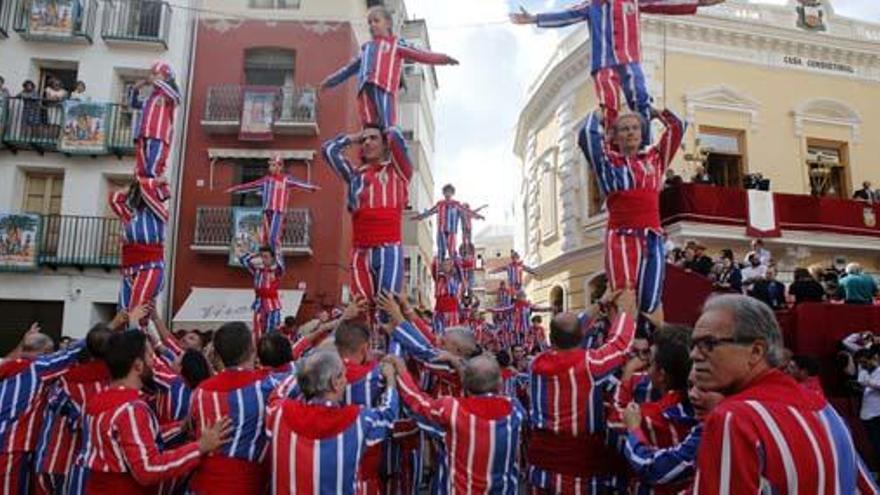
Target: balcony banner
x=257 y=114
x=762 y=215
x=246 y=225
x=54 y=17
x=84 y=128
x=19 y=238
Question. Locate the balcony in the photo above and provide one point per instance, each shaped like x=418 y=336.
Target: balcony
x=214 y=231
x=72 y=22
x=295 y=112
x=79 y=241
x=5 y=17
x=144 y=23
x=34 y=124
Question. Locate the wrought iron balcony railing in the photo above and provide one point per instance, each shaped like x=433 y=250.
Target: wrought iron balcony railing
x=56 y=21
x=5 y=16
x=81 y=241
x=136 y=22
x=33 y=123
x=295 y=109
x=214 y=229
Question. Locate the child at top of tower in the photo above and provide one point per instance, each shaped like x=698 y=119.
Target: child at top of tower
x=379 y=66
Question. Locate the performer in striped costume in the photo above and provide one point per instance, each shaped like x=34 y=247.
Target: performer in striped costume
x=143 y=243
x=631 y=180
x=449 y=216
x=267 y=270
x=61 y=440
x=566 y=415
x=377 y=195
x=24 y=380
x=467 y=221
x=239 y=392
x=769 y=434
x=615 y=47
x=379 y=67
x=480 y=432
x=122 y=448
x=156 y=130
x=447 y=294
x=317 y=443
x=273 y=188
x=515 y=270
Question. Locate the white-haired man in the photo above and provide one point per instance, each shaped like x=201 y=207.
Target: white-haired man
x=857 y=287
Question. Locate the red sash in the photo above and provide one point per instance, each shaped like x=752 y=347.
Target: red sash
x=638 y=209
x=119 y=483
x=582 y=456
x=266 y=293
x=141 y=254
x=446 y=304
x=375 y=227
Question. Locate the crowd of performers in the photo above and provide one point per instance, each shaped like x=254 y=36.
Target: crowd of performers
x=616 y=401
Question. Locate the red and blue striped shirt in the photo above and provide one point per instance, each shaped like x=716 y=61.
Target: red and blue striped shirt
x=267 y=281
x=614 y=26
x=380 y=63
x=273 y=189
x=157 y=118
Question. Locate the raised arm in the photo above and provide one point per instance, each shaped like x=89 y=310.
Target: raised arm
x=427 y=213
x=612 y=354
x=334 y=153
x=433 y=410
x=670 y=141
x=669 y=7
x=49 y=366
x=579 y=12
x=379 y=421
x=119 y=206
x=413 y=54
x=661 y=466
x=591 y=140
x=343 y=74
x=253 y=186
x=399 y=152
x=293 y=183
x=247 y=260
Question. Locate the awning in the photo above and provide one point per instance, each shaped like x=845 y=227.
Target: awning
x=207 y=308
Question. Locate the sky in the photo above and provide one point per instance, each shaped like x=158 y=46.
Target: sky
x=479 y=101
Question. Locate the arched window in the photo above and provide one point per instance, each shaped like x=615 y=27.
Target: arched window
x=557 y=299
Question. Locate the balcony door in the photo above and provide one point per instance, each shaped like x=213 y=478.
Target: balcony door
x=725 y=162
x=42 y=196
x=828 y=164
x=273 y=67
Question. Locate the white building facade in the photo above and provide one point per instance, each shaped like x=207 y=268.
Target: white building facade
x=58 y=164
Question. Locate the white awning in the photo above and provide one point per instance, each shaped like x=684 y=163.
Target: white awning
x=286 y=154
x=208 y=308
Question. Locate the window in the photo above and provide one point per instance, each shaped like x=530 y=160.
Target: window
x=725 y=161
x=548 y=194
x=557 y=299
x=43 y=193
x=269 y=67
x=63 y=71
x=274 y=4
x=248 y=171
x=827 y=162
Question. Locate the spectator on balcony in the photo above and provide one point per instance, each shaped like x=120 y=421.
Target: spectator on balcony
x=672 y=179
x=866 y=194
x=30 y=103
x=753 y=271
x=729 y=279
x=857 y=287
x=79 y=93
x=701 y=176
x=53 y=96
x=769 y=290
x=868 y=361
x=805 y=288
x=695 y=259
x=765 y=257
x=4 y=92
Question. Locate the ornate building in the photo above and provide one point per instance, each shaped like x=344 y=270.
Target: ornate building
x=760 y=94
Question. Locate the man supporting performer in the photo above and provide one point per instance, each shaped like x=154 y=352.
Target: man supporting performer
x=616 y=46
x=631 y=180
x=267 y=269
x=273 y=187
x=143 y=241
x=377 y=195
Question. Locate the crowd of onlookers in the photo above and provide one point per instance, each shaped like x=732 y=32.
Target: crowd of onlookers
x=756 y=276
x=41 y=113
x=702 y=176
x=867 y=193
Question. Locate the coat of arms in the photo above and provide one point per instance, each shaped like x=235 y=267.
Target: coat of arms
x=811 y=15
x=869 y=217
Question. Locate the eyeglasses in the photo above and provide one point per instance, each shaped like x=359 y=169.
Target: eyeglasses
x=708 y=344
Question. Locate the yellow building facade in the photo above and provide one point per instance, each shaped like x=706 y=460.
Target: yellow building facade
x=759 y=95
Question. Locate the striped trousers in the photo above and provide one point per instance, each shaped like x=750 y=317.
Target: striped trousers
x=139 y=287
x=637 y=258
x=151 y=158
x=629 y=78
x=377 y=269
x=377 y=106
x=273 y=226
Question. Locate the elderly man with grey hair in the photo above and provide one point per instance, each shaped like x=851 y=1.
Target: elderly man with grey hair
x=783 y=438
x=480 y=431
x=442 y=356
x=857 y=287
x=318 y=442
